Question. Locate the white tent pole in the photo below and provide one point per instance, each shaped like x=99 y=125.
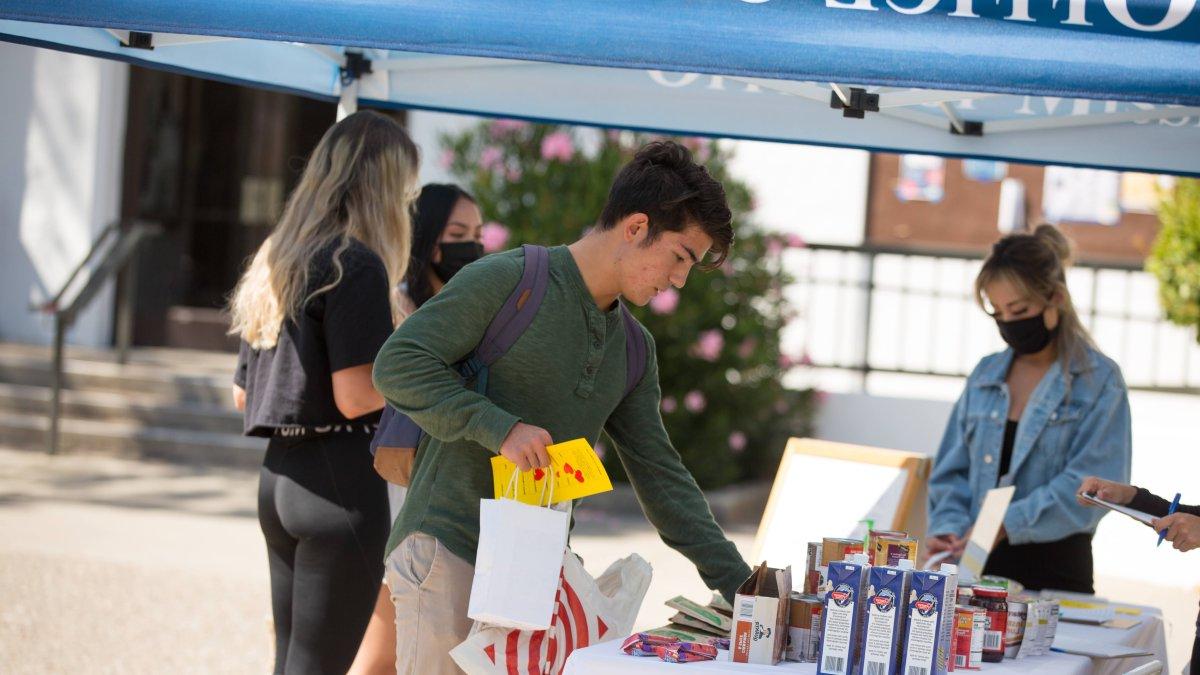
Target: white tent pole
x=348 y=103
x=922 y=96
x=842 y=93
x=328 y=52
x=952 y=114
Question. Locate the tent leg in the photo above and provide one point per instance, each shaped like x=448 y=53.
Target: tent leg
x=348 y=103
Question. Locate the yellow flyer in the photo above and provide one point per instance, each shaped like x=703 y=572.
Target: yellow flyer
x=577 y=472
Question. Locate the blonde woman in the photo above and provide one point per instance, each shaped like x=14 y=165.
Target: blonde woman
x=312 y=310
x=1040 y=415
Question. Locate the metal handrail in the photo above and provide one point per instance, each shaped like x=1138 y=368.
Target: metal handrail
x=113 y=249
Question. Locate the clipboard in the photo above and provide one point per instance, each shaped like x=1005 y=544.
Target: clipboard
x=1140 y=516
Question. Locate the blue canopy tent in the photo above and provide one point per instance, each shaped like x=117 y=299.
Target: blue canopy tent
x=1102 y=83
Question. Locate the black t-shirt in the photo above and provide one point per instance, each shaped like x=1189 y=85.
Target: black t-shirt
x=290 y=385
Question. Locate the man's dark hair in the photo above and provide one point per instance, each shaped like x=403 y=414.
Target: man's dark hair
x=663 y=182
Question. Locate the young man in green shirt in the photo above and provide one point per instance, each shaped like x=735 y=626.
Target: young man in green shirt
x=564 y=378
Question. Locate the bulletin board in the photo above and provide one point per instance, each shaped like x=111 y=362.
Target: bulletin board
x=826 y=489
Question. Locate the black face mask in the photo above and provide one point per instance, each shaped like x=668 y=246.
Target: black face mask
x=455 y=257
x=1026 y=336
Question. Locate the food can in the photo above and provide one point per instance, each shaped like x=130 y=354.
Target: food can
x=812 y=569
x=1015 y=631
x=968 y=645
x=835 y=550
x=888 y=548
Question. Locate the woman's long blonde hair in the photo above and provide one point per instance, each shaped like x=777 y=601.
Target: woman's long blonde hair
x=1036 y=265
x=358 y=184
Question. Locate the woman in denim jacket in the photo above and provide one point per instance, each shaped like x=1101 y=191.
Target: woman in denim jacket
x=1040 y=415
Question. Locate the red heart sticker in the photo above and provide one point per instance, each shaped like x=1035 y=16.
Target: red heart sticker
x=568 y=469
x=579 y=476
x=538 y=474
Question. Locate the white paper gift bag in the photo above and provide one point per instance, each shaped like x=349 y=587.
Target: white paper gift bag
x=518 y=561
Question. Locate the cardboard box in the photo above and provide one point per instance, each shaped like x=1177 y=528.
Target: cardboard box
x=761 y=612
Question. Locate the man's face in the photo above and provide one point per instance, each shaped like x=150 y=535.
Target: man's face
x=649 y=269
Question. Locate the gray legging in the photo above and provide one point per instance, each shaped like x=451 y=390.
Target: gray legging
x=324 y=514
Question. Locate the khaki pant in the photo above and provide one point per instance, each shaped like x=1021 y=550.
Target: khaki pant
x=431 y=588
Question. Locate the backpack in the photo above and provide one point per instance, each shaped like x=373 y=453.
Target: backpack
x=399 y=432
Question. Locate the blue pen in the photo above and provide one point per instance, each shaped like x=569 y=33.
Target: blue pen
x=1174 y=505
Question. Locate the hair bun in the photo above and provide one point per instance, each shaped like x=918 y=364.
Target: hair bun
x=1057 y=241
x=669 y=154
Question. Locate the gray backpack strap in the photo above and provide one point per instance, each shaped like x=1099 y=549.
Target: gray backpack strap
x=635 y=350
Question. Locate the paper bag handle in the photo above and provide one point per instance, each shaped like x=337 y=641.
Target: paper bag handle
x=548 y=485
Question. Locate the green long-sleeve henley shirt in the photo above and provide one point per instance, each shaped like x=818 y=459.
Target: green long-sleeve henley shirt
x=565 y=374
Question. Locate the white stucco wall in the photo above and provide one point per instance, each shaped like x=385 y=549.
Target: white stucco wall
x=62 y=131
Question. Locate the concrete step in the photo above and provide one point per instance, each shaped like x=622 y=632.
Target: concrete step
x=147 y=409
x=180 y=382
x=192 y=360
x=134 y=440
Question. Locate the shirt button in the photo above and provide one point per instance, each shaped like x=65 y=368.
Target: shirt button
x=995 y=414
x=987 y=459
x=596 y=342
x=591 y=370
x=1054 y=416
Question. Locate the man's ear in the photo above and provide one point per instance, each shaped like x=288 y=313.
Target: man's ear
x=634 y=227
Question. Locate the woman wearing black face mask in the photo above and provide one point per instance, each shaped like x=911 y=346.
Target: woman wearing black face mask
x=447 y=230
x=1039 y=416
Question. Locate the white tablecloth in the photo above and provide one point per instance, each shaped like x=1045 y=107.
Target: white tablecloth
x=607 y=658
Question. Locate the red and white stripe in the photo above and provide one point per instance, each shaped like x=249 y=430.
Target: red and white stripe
x=545 y=652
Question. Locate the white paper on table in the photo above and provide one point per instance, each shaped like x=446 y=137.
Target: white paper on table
x=1092 y=615
x=1096 y=649
x=987 y=527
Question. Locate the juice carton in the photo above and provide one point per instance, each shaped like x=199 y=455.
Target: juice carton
x=929 y=623
x=887 y=592
x=844 y=618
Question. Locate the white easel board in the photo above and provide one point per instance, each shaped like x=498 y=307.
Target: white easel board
x=826 y=489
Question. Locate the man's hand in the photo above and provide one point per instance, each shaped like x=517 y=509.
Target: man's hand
x=1115 y=493
x=1183 y=530
x=525 y=446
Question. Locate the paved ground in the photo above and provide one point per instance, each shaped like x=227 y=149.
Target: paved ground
x=113 y=566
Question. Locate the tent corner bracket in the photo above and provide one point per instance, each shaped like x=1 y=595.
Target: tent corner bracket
x=139 y=40
x=969 y=128
x=858 y=106
x=356 y=66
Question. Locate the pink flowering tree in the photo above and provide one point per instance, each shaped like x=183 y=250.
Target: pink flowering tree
x=719 y=358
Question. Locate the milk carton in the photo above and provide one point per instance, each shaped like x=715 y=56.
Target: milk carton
x=845 y=615
x=929 y=623
x=887 y=594
x=951 y=601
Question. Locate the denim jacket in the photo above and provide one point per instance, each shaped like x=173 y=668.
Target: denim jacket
x=1073 y=426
